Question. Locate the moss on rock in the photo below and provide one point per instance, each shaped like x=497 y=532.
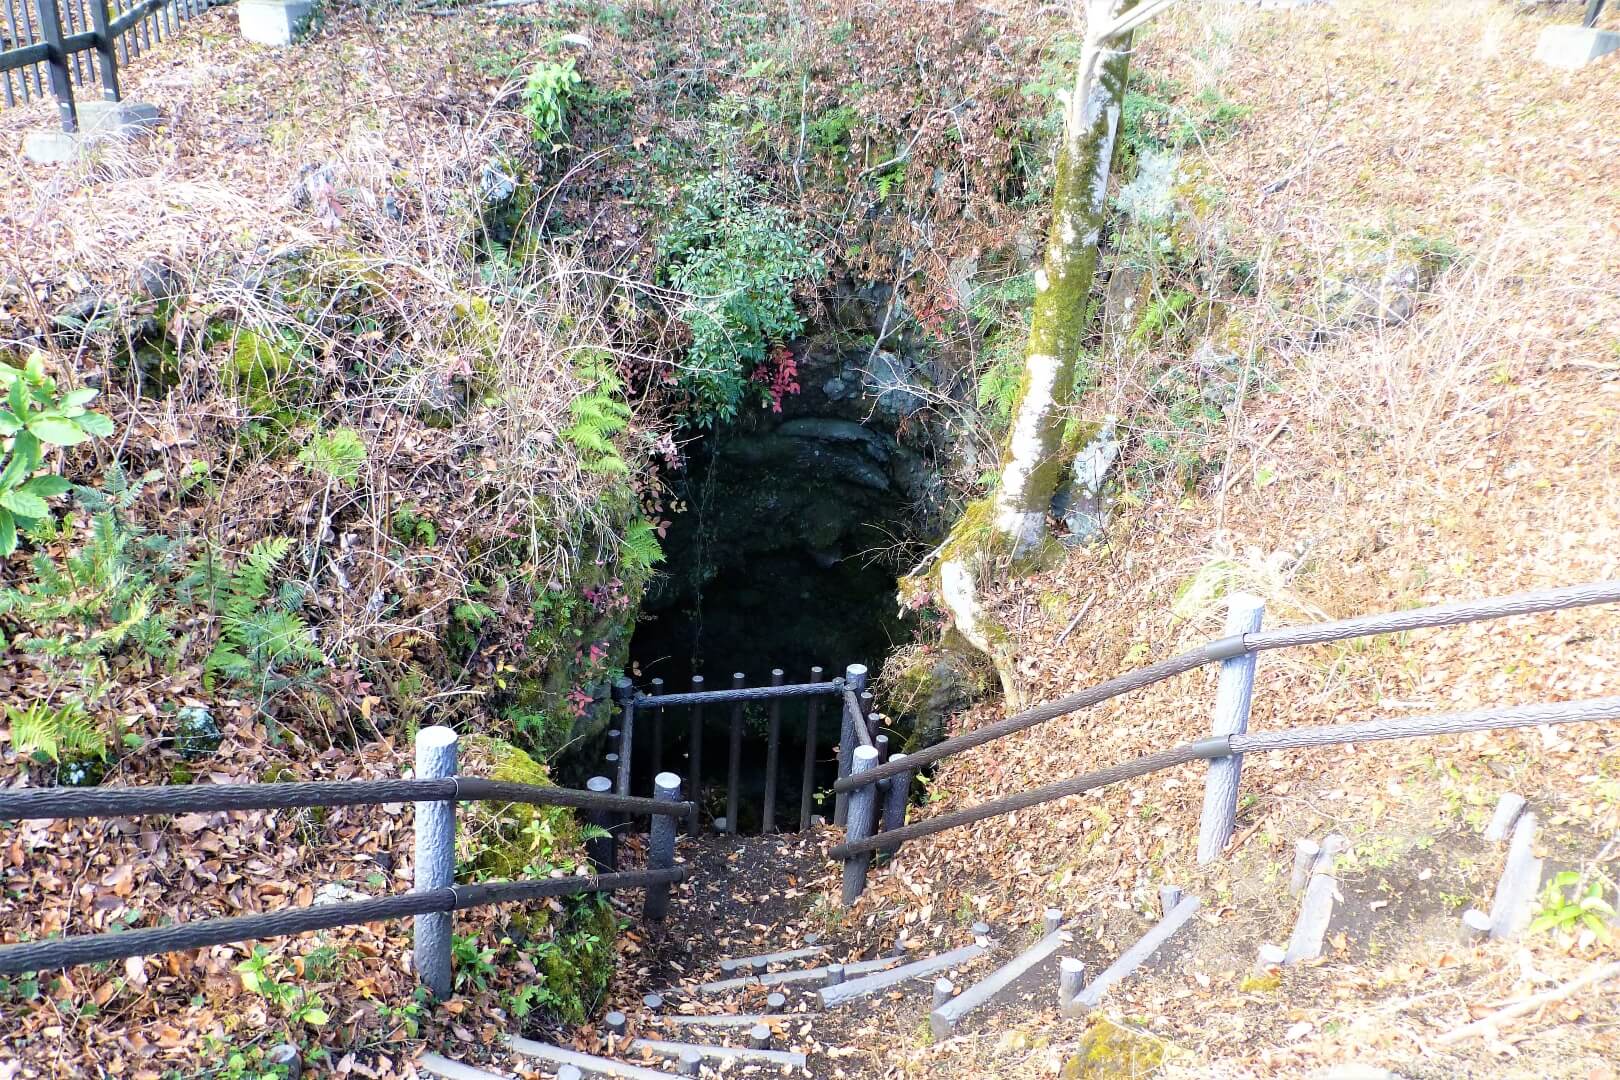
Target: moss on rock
x=1111 y=1051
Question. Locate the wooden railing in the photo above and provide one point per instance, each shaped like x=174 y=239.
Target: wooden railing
x=435 y=792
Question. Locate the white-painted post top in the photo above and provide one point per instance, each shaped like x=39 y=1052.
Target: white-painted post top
x=435 y=737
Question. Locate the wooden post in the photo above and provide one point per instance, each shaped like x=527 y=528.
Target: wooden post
x=656 y=687
x=773 y=751
x=1520 y=881
x=880 y=743
x=1052 y=919
x=697 y=758
x=435 y=859
x=854 y=679
x=1231 y=718
x=1476 y=926
x=862 y=807
x=1508 y=809
x=661 y=846
x=896 y=799
x=759 y=1036
x=603 y=851
x=1071 y=980
x=734 y=770
x=624 y=692
x=1305 y=852
x=942 y=991
x=812 y=715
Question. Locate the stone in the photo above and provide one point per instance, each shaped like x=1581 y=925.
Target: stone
x=274 y=22
x=195 y=732
x=1572 y=47
x=892 y=382
x=155 y=281
x=51 y=147
x=1112 y=1050
x=123 y=118
x=496 y=184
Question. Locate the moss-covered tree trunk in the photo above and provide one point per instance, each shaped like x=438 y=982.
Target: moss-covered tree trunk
x=1031 y=465
x=1014 y=518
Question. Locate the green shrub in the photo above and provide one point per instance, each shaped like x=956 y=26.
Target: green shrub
x=737 y=259
x=546 y=96
x=35 y=415
x=337 y=455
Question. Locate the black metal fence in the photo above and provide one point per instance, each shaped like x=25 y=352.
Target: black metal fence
x=54 y=46
x=638 y=707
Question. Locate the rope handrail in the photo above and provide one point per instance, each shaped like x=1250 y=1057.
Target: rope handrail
x=852 y=705
x=39 y=803
x=96 y=948
x=743 y=693
x=1606 y=708
x=1449 y=614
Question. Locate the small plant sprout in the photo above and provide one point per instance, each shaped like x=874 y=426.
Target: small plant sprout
x=1569 y=904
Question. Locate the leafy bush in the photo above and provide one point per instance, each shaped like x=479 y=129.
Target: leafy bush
x=737 y=259
x=36 y=415
x=546 y=96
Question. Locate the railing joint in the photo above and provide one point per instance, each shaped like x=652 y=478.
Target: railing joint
x=1228 y=648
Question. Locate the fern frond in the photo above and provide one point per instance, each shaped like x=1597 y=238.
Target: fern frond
x=641 y=550
x=54 y=731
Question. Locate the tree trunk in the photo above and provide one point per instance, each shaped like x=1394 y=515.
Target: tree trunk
x=1014 y=518
x=1031 y=464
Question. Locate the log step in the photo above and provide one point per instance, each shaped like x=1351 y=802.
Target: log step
x=585 y=1063
x=943 y=1020
x=1135 y=956
x=662 y=1048
x=783 y=978
x=454 y=1070
x=765 y=960
x=856 y=989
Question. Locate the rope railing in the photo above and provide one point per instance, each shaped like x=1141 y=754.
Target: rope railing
x=97 y=948
x=39 y=803
x=1227 y=648
x=1607 y=708
x=434 y=792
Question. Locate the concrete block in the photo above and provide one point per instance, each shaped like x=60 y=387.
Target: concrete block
x=98 y=122
x=51 y=147
x=274 y=22
x=1571 y=47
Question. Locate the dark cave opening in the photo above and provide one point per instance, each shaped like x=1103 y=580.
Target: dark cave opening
x=783 y=553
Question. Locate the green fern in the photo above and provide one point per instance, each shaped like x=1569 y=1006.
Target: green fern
x=337 y=455
x=56 y=730
x=599 y=413
x=641 y=550
x=262 y=641
x=95 y=599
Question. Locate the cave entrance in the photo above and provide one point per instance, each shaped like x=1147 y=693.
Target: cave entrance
x=783 y=550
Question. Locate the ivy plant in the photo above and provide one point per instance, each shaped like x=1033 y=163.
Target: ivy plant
x=35 y=416
x=737 y=260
